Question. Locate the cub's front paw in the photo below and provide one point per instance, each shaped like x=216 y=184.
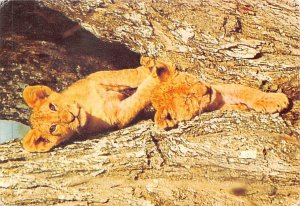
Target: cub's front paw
x=271 y=103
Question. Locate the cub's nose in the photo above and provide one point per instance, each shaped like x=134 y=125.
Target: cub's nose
x=67 y=117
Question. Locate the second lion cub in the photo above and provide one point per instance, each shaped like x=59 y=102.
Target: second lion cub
x=182 y=96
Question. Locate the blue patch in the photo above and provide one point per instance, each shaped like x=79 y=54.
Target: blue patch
x=10 y=130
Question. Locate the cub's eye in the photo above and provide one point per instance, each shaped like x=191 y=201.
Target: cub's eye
x=52 y=107
x=52 y=128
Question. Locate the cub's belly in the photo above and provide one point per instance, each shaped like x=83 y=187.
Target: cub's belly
x=102 y=110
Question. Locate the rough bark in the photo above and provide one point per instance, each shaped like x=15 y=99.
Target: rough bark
x=219 y=158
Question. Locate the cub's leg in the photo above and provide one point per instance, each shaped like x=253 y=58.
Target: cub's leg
x=122 y=79
x=130 y=107
x=252 y=98
x=230 y=107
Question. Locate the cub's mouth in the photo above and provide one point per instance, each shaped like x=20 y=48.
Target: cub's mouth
x=81 y=118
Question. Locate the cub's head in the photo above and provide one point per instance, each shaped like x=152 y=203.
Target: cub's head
x=180 y=98
x=54 y=118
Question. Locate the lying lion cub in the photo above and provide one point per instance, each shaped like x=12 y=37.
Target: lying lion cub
x=89 y=105
x=182 y=96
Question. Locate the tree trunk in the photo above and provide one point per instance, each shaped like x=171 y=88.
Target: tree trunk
x=218 y=158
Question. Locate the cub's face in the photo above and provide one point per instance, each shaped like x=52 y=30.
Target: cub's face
x=180 y=98
x=54 y=118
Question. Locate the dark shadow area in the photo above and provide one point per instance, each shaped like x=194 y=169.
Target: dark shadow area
x=35 y=23
x=145 y=114
x=34 y=49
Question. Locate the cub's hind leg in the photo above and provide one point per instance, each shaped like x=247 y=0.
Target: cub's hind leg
x=253 y=98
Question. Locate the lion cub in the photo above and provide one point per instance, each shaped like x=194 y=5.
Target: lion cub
x=181 y=96
x=89 y=105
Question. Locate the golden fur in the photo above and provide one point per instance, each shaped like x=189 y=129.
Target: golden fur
x=96 y=103
x=181 y=96
x=89 y=105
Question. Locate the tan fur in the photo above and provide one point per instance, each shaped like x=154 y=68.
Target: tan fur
x=89 y=105
x=182 y=96
x=96 y=103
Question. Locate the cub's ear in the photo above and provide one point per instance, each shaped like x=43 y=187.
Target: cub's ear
x=35 y=95
x=164 y=70
x=34 y=142
x=147 y=61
